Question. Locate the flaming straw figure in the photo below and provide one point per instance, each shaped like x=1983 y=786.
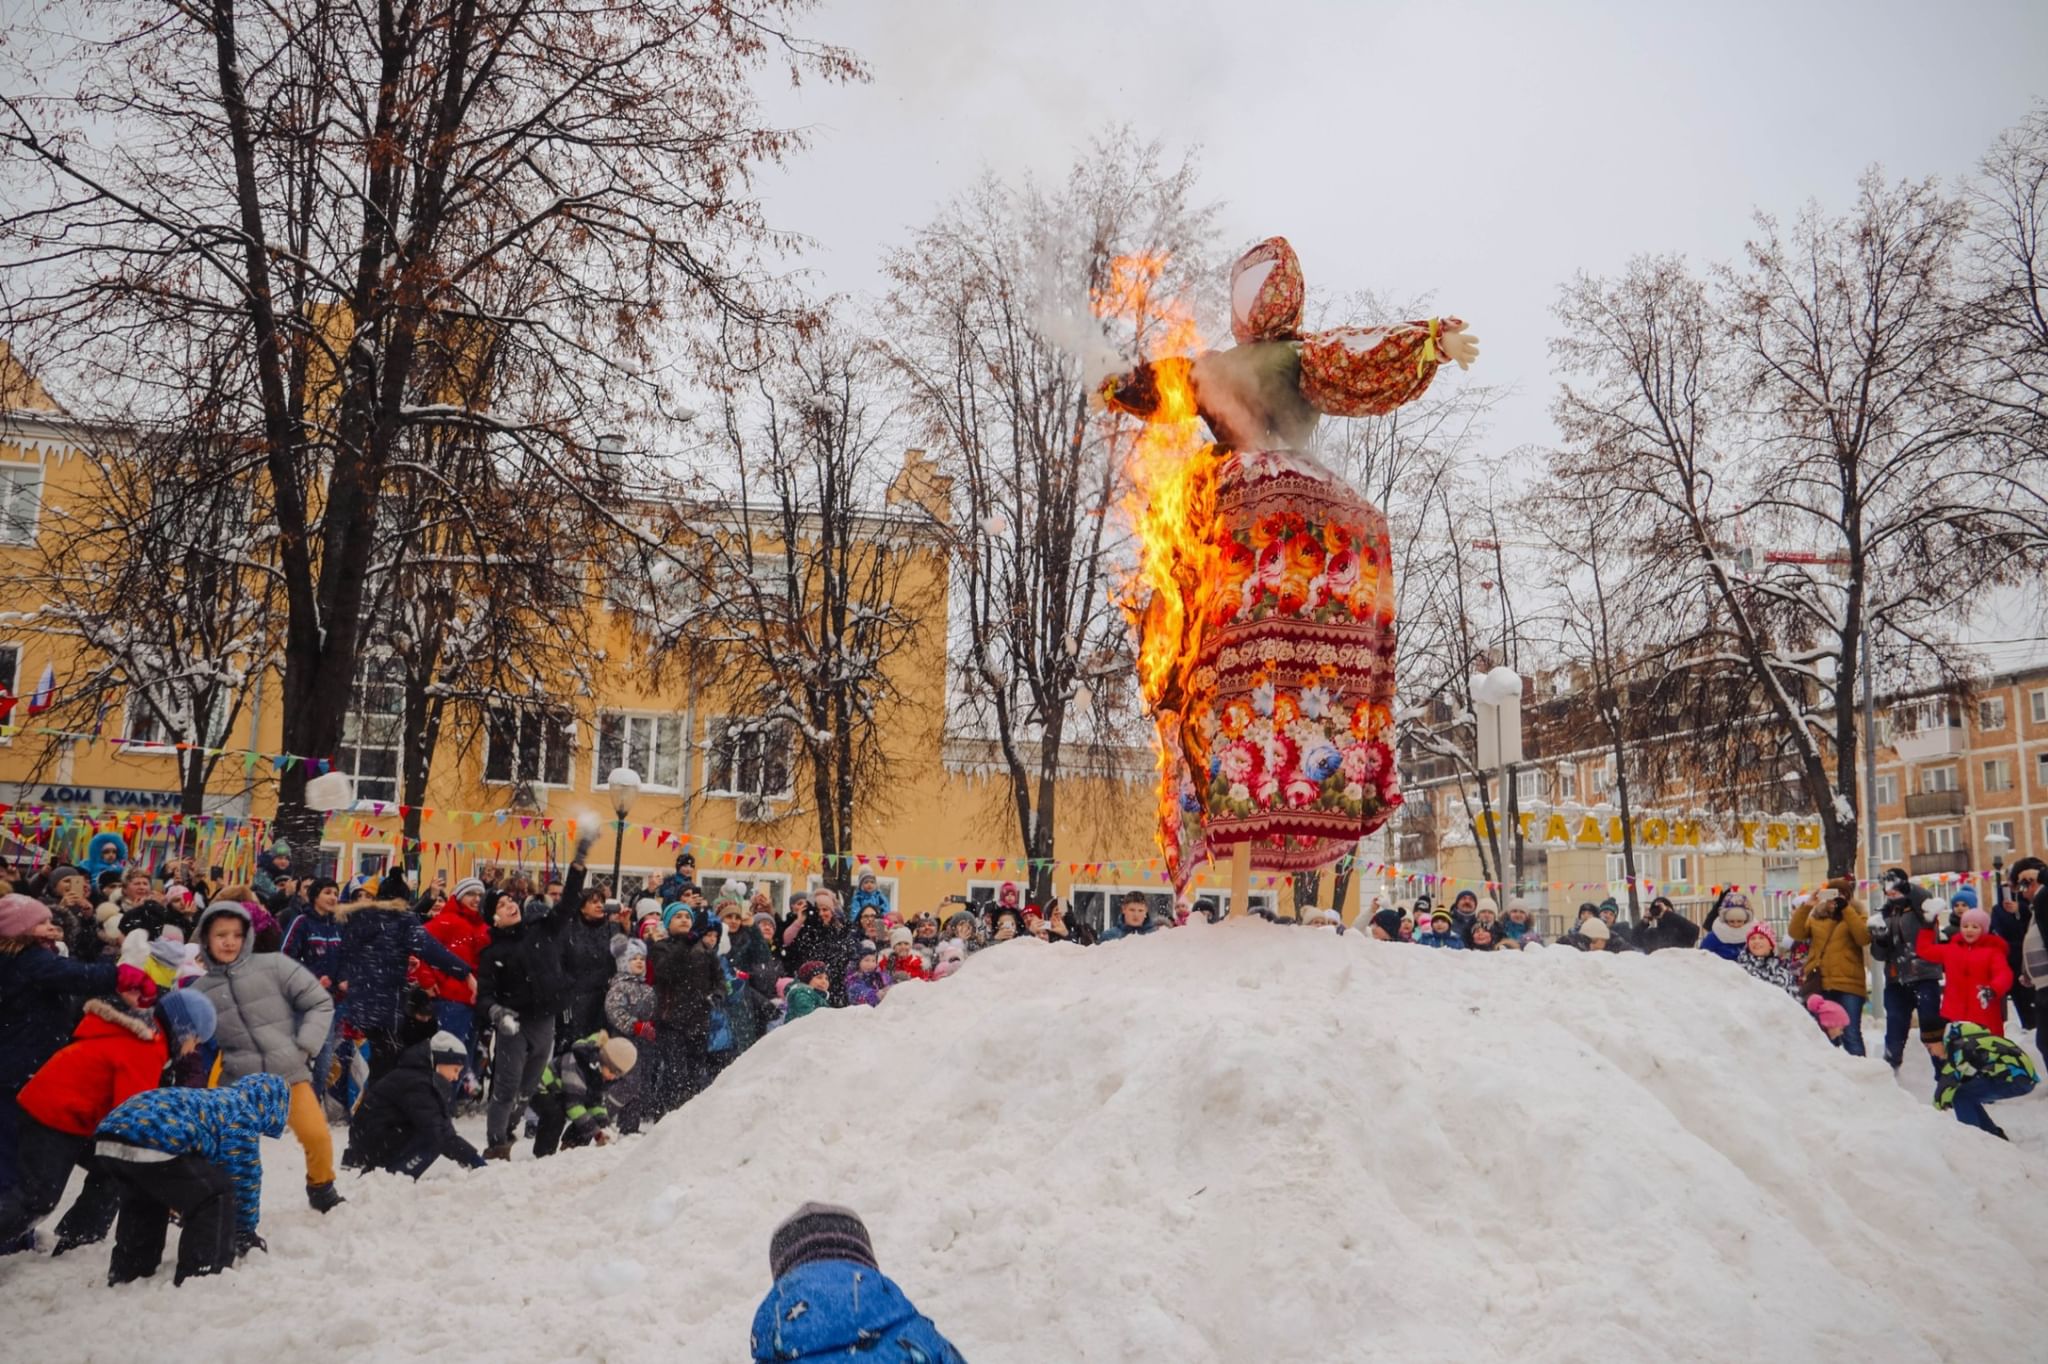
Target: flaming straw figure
x=1264 y=599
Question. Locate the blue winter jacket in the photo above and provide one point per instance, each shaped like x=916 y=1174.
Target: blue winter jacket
x=836 y=1309
x=314 y=942
x=40 y=992
x=377 y=940
x=865 y=900
x=1726 y=951
x=1449 y=940
x=221 y=1125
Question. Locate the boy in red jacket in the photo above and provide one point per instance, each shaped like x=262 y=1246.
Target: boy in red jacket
x=458 y=926
x=114 y=1055
x=1976 y=977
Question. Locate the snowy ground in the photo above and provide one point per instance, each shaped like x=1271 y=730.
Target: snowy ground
x=1240 y=1143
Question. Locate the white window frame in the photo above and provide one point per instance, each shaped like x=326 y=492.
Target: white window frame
x=1997 y=774
x=600 y=770
x=2041 y=769
x=1603 y=779
x=1678 y=867
x=569 y=745
x=10 y=484
x=11 y=680
x=1888 y=788
x=1944 y=838
x=2037 y=701
x=348 y=756
x=134 y=713
x=715 y=734
x=1529 y=785
x=362 y=851
x=1935 y=780
x=2000 y=827
x=1567 y=781
x=339 y=852
x=1617 y=869
x=1112 y=898
x=1891 y=848
x=1989 y=707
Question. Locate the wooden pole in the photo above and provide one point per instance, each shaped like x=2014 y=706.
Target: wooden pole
x=1241 y=878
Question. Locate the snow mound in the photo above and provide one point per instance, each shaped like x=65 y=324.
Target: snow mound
x=1239 y=1143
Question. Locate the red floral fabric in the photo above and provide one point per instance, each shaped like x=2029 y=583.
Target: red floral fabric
x=1365 y=371
x=1267 y=308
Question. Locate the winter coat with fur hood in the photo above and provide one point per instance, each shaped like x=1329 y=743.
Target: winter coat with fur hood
x=113 y=1056
x=1840 y=933
x=273 y=1015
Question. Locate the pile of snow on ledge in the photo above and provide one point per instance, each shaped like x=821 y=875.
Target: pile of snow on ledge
x=1238 y=1143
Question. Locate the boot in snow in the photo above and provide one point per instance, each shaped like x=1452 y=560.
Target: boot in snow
x=323 y=1197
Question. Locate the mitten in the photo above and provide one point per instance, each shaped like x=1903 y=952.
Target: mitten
x=1876 y=922
x=135 y=949
x=643 y=1030
x=1984 y=996
x=134 y=978
x=505 y=1021
x=1929 y=911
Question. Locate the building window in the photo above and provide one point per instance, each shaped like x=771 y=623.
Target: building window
x=747 y=758
x=372 y=862
x=1678 y=867
x=1567 y=781
x=1991 y=713
x=10 y=675
x=1944 y=838
x=327 y=862
x=1914 y=717
x=1937 y=779
x=652 y=745
x=2001 y=828
x=531 y=746
x=2041 y=769
x=1603 y=777
x=1617 y=867
x=2037 y=700
x=1890 y=847
x=147 y=732
x=1528 y=785
x=371 y=730
x=1998 y=774
x=21 y=495
x=1888 y=789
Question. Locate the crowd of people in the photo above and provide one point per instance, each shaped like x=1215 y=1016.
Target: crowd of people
x=154 y=1028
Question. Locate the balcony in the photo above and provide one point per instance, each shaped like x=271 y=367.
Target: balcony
x=1930 y=804
x=1936 y=863
x=1928 y=744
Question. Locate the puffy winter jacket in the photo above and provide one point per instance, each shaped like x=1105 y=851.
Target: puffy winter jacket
x=40 y=992
x=377 y=941
x=404 y=1106
x=804 y=1000
x=1839 y=936
x=1669 y=929
x=628 y=1003
x=1896 y=944
x=113 y=1056
x=1974 y=1051
x=836 y=1309
x=273 y=1015
x=577 y=1075
x=219 y=1125
x=505 y=973
x=1772 y=970
x=587 y=964
x=465 y=933
x=1975 y=978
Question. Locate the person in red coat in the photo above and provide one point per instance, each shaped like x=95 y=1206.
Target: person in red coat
x=904 y=958
x=1976 y=977
x=458 y=926
x=114 y=1055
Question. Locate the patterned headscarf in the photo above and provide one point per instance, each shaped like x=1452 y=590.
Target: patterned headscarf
x=1266 y=293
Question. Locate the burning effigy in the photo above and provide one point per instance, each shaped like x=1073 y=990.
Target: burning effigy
x=1264 y=596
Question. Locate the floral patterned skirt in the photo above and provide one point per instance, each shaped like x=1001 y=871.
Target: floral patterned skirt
x=1283 y=738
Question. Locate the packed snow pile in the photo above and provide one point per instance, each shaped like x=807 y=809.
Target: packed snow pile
x=1235 y=1143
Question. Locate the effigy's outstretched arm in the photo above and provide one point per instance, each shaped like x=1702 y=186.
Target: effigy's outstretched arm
x=1367 y=371
x=1141 y=392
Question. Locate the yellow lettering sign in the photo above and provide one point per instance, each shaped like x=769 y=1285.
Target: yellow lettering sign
x=1652 y=832
x=1748 y=828
x=1589 y=833
x=1555 y=830
x=1685 y=833
x=1776 y=835
x=1808 y=837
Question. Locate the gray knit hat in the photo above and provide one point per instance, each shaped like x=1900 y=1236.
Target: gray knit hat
x=819 y=1231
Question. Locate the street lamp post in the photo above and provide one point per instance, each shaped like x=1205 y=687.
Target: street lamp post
x=1497 y=703
x=623 y=784
x=1997 y=843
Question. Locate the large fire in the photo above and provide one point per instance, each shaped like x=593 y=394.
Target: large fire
x=1170 y=477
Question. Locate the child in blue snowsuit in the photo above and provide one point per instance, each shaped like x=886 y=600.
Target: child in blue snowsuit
x=193 y=1152
x=831 y=1301
x=1978 y=1069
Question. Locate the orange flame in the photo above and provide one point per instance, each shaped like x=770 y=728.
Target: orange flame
x=1170 y=475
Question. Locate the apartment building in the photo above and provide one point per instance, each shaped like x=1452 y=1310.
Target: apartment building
x=1962 y=779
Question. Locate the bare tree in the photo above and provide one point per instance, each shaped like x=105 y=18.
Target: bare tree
x=1818 y=401
x=167 y=583
x=336 y=186
x=810 y=596
x=990 y=328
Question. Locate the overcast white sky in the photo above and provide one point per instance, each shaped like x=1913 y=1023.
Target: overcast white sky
x=1479 y=150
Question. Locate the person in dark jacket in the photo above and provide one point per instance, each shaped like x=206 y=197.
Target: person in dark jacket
x=407 y=1119
x=1464 y=913
x=753 y=954
x=830 y=1299
x=683 y=878
x=313 y=940
x=192 y=1152
x=824 y=934
x=1134 y=918
x=68 y=893
x=1663 y=926
x=587 y=961
x=511 y=999
x=1912 y=984
x=378 y=939
x=689 y=990
x=41 y=995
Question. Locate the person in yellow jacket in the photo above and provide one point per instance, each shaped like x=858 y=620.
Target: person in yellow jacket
x=1839 y=934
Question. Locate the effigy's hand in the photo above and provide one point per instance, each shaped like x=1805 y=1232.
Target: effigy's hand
x=1459 y=345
